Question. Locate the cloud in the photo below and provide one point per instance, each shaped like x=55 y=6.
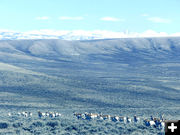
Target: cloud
x=113 y=19
x=159 y=20
x=77 y=18
x=42 y=18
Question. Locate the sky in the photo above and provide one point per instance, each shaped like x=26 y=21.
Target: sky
x=110 y=15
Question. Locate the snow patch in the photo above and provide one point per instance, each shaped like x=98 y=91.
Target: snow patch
x=79 y=34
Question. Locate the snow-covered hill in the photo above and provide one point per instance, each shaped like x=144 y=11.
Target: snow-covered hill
x=144 y=48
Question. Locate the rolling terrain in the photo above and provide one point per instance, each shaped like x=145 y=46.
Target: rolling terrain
x=116 y=76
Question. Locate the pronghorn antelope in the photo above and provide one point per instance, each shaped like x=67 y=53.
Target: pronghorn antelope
x=123 y=119
x=162 y=117
x=160 y=123
x=149 y=122
x=19 y=114
x=106 y=117
x=24 y=113
x=41 y=114
x=153 y=118
x=9 y=114
x=78 y=115
x=115 y=118
x=48 y=114
x=100 y=116
x=52 y=115
x=90 y=116
x=57 y=114
x=129 y=120
x=136 y=119
x=155 y=122
x=30 y=113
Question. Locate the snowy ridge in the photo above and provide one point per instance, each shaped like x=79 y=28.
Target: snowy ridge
x=123 y=49
x=79 y=34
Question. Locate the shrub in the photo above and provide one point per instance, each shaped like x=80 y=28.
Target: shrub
x=3 y=125
x=52 y=124
x=72 y=127
x=17 y=125
x=37 y=124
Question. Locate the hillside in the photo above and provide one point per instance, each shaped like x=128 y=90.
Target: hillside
x=120 y=74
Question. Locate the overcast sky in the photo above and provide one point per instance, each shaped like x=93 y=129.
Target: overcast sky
x=112 y=15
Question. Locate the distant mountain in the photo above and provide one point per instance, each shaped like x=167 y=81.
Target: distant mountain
x=123 y=50
x=78 y=34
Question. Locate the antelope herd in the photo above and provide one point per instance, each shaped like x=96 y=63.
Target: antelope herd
x=48 y=114
x=152 y=122
x=40 y=114
x=24 y=114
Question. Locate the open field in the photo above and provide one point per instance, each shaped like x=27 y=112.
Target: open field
x=115 y=76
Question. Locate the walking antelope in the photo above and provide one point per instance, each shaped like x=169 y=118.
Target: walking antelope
x=30 y=114
x=100 y=116
x=136 y=119
x=57 y=114
x=52 y=115
x=123 y=119
x=47 y=114
x=25 y=114
x=9 y=114
x=41 y=114
x=115 y=118
x=160 y=123
x=106 y=117
x=90 y=116
x=78 y=115
x=162 y=117
x=129 y=120
x=149 y=122
x=152 y=118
